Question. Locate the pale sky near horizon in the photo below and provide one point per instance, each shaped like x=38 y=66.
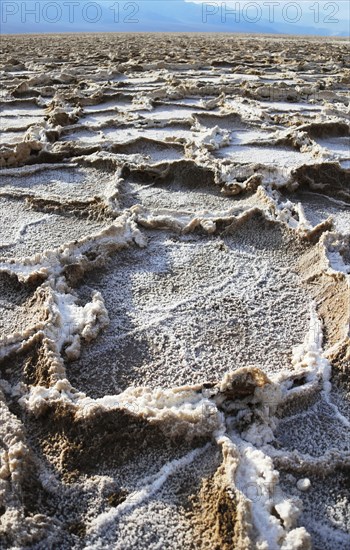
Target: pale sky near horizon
x=324 y=17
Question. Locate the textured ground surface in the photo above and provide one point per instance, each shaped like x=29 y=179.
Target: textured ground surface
x=174 y=293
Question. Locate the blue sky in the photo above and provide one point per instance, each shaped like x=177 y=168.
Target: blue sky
x=328 y=18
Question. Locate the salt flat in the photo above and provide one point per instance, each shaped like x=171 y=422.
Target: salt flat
x=174 y=292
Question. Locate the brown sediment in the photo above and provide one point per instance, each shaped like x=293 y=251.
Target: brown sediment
x=184 y=173
x=333 y=298
x=65 y=150
x=340 y=360
x=145 y=146
x=73 y=444
x=243 y=383
x=327 y=178
x=95 y=209
x=314 y=234
x=327 y=129
x=17 y=155
x=331 y=292
x=22 y=308
x=62 y=118
x=215 y=516
x=27 y=364
x=36 y=369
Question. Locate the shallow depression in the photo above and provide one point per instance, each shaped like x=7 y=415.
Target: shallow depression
x=188 y=309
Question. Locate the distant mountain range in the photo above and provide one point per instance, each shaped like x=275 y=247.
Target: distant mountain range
x=171 y=16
